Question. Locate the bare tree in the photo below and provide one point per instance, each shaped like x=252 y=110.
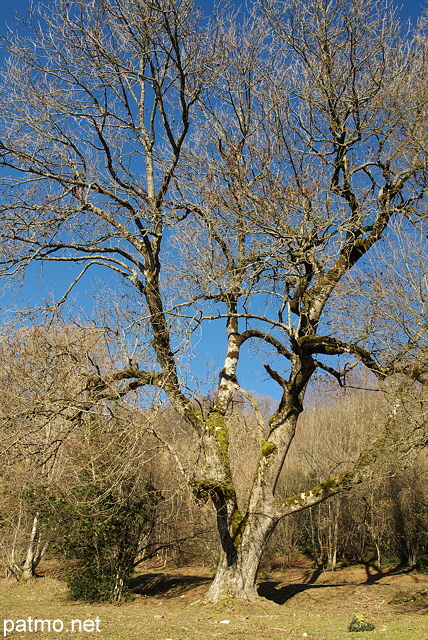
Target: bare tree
x=55 y=439
x=236 y=174
x=43 y=376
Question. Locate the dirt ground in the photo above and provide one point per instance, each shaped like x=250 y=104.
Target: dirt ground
x=300 y=602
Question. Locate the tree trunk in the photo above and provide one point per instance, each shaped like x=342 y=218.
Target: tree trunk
x=34 y=551
x=238 y=567
x=237 y=580
x=244 y=538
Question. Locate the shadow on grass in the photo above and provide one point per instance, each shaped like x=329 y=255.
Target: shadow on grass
x=270 y=591
x=374 y=574
x=170 y=586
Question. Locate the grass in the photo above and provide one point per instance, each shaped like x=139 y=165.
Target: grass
x=166 y=606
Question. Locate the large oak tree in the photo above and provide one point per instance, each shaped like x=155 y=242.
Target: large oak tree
x=235 y=171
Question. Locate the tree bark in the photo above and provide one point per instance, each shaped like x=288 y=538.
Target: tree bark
x=238 y=568
x=34 y=552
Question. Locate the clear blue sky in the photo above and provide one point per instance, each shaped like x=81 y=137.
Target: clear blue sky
x=9 y=8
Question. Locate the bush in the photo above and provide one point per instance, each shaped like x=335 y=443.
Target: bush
x=422 y=564
x=100 y=526
x=94 y=585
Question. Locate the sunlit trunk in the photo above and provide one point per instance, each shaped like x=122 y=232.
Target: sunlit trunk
x=238 y=567
x=35 y=551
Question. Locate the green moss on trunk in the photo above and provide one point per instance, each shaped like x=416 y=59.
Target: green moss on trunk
x=323 y=490
x=267 y=448
x=216 y=425
x=238 y=527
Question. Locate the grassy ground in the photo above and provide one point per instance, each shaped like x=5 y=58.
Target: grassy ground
x=300 y=603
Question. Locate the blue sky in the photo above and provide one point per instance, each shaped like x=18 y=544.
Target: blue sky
x=9 y=8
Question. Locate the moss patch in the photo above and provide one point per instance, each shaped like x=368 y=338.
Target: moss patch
x=216 y=425
x=267 y=448
x=238 y=527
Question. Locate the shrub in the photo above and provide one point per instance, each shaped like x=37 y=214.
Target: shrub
x=100 y=526
x=359 y=624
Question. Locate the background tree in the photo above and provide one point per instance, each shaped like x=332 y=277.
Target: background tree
x=76 y=479
x=234 y=173
x=40 y=380
x=365 y=525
